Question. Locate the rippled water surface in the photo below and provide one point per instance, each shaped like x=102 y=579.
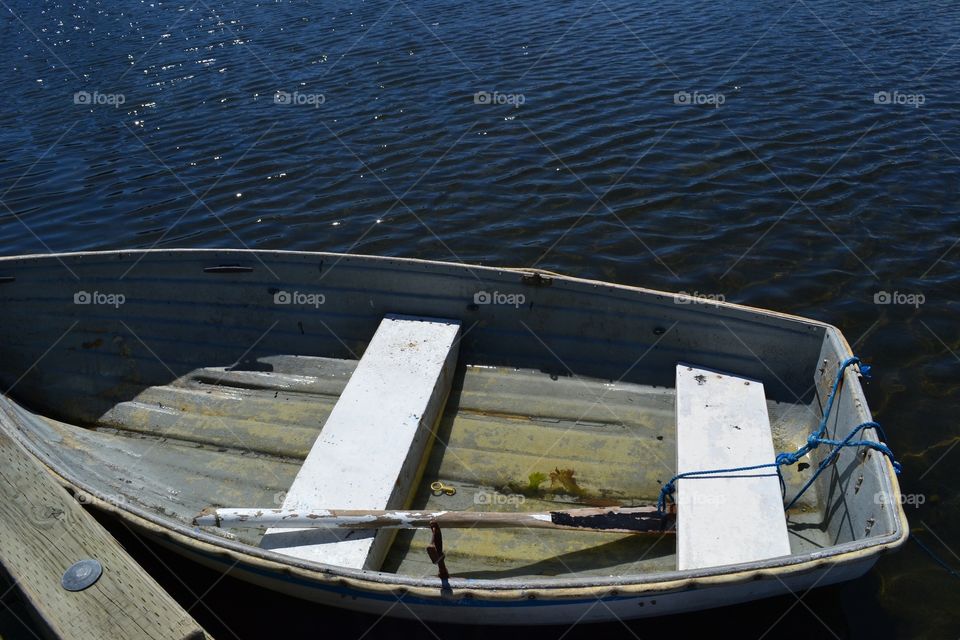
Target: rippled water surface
x=799 y=156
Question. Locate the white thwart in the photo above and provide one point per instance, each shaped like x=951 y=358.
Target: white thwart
x=722 y=423
x=371 y=448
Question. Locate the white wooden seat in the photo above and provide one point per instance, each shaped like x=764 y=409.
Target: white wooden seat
x=722 y=423
x=370 y=451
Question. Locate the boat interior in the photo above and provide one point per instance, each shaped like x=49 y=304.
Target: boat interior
x=203 y=388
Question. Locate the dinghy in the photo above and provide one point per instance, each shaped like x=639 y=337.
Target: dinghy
x=449 y=442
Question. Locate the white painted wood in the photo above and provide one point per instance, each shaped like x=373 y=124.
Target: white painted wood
x=371 y=449
x=722 y=423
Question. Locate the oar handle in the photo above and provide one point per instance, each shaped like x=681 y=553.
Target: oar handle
x=610 y=520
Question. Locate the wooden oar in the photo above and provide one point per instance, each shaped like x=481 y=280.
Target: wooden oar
x=611 y=520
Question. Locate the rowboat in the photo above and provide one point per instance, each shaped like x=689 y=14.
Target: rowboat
x=310 y=421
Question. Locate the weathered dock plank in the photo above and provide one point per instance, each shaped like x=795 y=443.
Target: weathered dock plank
x=43 y=531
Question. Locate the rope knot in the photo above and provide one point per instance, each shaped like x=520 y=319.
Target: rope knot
x=813 y=441
x=665 y=492
x=787 y=459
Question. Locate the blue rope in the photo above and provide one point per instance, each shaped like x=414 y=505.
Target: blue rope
x=935 y=557
x=814 y=440
x=667 y=489
x=837 y=446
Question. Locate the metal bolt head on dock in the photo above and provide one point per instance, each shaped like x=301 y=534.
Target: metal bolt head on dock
x=81 y=575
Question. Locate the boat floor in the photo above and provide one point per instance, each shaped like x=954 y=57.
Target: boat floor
x=237 y=437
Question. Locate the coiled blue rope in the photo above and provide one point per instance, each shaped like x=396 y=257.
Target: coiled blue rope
x=814 y=440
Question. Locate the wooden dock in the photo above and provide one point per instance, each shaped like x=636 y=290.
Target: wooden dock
x=43 y=531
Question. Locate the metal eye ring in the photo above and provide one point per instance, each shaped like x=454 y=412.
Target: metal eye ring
x=438 y=488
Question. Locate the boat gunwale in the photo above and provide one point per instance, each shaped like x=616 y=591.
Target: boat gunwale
x=432 y=588
x=425 y=263
x=482 y=589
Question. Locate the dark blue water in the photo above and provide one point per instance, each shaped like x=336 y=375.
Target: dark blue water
x=800 y=156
